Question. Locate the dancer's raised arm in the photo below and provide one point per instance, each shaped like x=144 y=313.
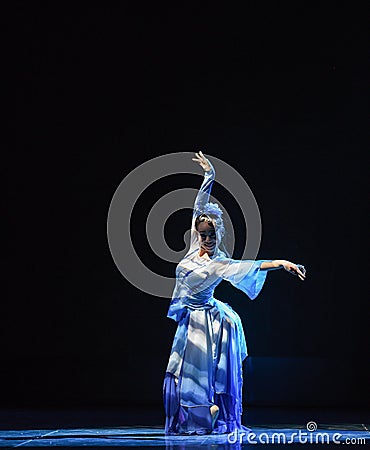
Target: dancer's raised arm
x=206 y=187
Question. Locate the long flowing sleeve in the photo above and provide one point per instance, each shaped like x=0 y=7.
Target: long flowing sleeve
x=201 y=200
x=204 y=192
x=245 y=275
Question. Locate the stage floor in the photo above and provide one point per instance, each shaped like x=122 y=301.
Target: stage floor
x=144 y=428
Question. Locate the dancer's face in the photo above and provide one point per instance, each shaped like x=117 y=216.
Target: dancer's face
x=207 y=237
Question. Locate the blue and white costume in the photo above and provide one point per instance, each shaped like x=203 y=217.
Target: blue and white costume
x=205 y=364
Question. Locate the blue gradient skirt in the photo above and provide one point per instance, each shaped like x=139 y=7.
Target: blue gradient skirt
x=205 y=369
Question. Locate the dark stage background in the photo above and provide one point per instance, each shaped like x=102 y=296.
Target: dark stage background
x=277 y=92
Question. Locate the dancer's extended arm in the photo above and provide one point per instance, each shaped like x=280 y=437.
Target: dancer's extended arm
x=295 y=269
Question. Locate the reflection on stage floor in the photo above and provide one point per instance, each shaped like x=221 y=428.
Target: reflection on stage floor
x=107 y=428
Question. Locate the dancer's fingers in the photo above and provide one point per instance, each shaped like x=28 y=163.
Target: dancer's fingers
x=301 y=274
x=296 y=271
x=302 y=269
x=202 y=156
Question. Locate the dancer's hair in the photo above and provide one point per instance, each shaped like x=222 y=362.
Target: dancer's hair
x=212 y=214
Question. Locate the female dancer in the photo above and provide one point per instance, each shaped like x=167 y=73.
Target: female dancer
x=202 y=389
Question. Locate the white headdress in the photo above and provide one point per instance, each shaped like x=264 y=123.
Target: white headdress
x=213 y=213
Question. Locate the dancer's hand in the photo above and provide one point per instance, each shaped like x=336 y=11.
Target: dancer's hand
x=203 y=161
x=294 y=269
